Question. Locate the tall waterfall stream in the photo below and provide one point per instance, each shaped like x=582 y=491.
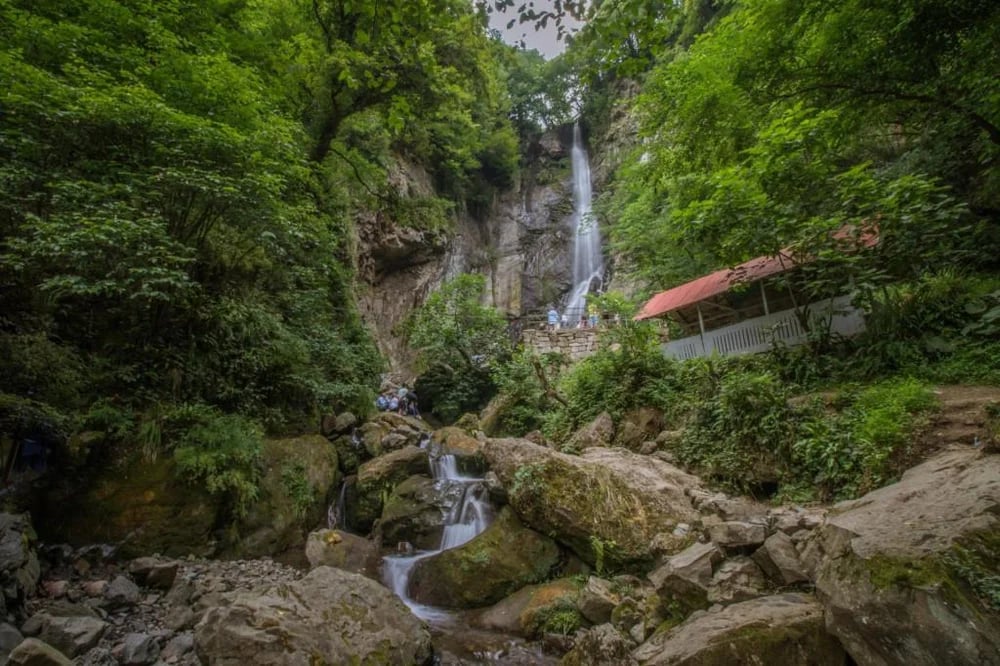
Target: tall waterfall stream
x=588 y=262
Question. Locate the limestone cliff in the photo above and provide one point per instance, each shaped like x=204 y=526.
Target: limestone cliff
x=522 y=245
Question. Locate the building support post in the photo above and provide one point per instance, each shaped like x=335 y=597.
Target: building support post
x=763 y=297
x=701 y=327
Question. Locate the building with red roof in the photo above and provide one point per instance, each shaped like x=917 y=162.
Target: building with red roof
x=747 y=308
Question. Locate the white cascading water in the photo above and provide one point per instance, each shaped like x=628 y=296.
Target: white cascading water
x=588 y=262
x=468 y=518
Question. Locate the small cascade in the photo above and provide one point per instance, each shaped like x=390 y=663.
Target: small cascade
x=337 y=510
x=588 y=260
x=466 y=519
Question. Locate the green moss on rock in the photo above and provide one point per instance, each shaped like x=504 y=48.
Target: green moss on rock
x=499 y=561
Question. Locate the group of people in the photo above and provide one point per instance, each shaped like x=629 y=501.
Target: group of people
x=588 y=320
x=401 y=400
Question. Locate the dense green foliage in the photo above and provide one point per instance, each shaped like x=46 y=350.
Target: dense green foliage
x=457 y=340
x=785 y=121
x=178 y=188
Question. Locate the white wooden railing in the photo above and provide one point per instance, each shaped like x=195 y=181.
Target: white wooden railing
x=758 y=334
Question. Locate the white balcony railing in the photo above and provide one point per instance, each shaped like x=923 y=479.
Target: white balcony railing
x=758 y=334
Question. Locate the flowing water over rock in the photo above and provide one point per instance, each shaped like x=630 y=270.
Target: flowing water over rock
x=458 y=644
x=469 y=517
x=588 y=263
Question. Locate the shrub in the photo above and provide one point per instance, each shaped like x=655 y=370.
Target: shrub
x=223 y=452
x=741 y=430
x=852 y=452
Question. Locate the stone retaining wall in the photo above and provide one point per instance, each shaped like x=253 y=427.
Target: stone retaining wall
x=573 y=343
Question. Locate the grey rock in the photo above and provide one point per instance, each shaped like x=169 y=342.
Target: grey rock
x=33 y=652
x=139 y=649
x=682 y=582
x=783 y=629
x=10 y=638
x=330 y=616
x=154 y=571
x=121 y=593
x=779 y=560
x=71 y=634
x=735 y=534
x=883 y=617
x=599 y=646
x=180 y=617
x=597 y=600
x=345 y=422
x=598 y=432
x=737 y=579
x=177 y=647
x=334 y=548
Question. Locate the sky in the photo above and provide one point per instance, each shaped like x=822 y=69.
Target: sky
x=544 y=41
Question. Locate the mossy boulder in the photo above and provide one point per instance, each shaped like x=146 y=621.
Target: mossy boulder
x=908 y=572
x=535 y=610
x=504 y=558
x=141 y=505
x=375 y=482
x=300 y=476
x=606 y=505
x=351 y=453
x=467 y=449
x=415 y=512
x=782 y=629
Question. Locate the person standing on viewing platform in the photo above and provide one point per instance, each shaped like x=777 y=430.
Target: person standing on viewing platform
x=564 y=321
x=553 y=318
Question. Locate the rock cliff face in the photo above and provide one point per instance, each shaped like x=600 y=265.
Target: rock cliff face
x=522 y=245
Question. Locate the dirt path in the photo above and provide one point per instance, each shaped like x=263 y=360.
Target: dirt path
x=962 y=419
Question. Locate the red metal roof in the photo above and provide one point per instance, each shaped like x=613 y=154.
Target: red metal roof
x=714 y=284
x=689 y=293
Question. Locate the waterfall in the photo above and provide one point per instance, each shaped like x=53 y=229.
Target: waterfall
x=466 y=519
x=588 y=263
x=336 y=512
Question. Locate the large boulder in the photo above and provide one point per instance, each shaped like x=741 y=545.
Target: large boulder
x=784 y=629
x=300 y=475
x=343 y=550
x=376 y=480
x=144 y=506
x=903 y=570
x=415 y=512
x=483 y=571
x=330 y=616
x=604 y=504
x=19 y=568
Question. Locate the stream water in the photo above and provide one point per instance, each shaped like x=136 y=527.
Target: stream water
x=588 y=262
x=456 y=642
x=466 y=519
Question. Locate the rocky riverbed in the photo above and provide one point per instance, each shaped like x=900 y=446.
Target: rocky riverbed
x=606 y=557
